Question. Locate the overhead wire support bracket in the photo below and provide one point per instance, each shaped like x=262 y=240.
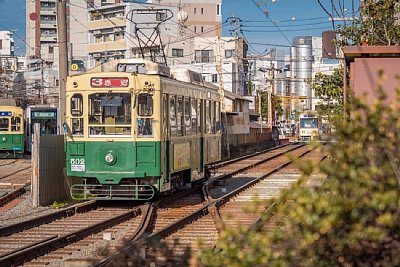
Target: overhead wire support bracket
x=147 y=32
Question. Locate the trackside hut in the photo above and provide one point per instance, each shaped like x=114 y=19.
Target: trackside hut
x=364 y=63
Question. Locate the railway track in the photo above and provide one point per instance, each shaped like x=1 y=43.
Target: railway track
x=9 y=169
x=33 y=242
x=192 y=214
x=15 y=178
x=184 y=221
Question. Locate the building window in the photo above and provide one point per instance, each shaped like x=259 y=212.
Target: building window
x=195 y=10
x=51 y=50
x=218 y=10
x=229 y=53
x=195 y=29
x=161 y=16
x=204 y=56
x=90 y=3
x=214 y=78
x=202 y=10
x=202 y=29
x=177 y=52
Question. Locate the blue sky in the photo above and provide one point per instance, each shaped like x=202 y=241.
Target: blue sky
x=292 y=17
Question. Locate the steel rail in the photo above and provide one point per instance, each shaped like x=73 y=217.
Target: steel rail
x=230 y=174
x=269 y=212
x=15 y=228
x=206 y=209
x=10 y=174
x=8 y=197
x=140 y=231
x=224 y=163
x=209 y=208
x=22 y=255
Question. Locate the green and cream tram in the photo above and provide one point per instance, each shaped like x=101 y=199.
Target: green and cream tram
x=132 y=131
x=11 y=132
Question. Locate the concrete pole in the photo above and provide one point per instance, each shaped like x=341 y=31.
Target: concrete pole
x=63 y=56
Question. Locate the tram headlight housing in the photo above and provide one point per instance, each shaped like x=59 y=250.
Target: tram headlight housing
x=4 y=139
x=110 y=158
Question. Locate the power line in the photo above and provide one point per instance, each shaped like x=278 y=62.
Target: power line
x=267 y=16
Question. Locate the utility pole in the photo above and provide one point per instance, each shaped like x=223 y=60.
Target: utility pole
x=41 y=87
x=236 y=25
x=63 y=55
x=222 y=94
x=260 y=106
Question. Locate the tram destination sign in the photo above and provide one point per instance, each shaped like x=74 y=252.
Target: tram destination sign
x=109 y=82
x=43 y=114
x=5 y=113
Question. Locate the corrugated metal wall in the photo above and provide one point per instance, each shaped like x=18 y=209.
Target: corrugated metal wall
x=48 y=179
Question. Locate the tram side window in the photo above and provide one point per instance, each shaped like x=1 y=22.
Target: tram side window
x=208 y=116
x=200 y=115
x=77 y=126
x=194 y=116
x=145 y=105
x=4 y=124
x=76 y=105
x=145 y=108
x=172 y=115
x=165 y=115
x=145 y=126
x=213 y=117
x=180 y=118
x=218 y=125
x=187 y=116
x=15 y=124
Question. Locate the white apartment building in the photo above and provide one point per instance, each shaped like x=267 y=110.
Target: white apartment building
x=6 y=43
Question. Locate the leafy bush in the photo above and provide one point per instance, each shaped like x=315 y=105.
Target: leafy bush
x=351 y=219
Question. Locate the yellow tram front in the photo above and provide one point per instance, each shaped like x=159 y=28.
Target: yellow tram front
x=113 y=135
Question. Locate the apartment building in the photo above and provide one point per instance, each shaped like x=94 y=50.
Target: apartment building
x=204 y=16
x=6 y=43
x=111 y=35
x=42 y=41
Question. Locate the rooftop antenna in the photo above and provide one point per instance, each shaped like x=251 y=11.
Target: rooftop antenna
x=147 y=32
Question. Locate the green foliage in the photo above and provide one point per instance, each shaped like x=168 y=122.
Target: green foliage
x=377 y=25
x=264 y=105
x=351 y=219
x=278 y=107
x=330 y=89
x=58 y=205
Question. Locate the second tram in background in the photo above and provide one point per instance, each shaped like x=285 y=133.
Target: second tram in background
x=46 y=116
x=310 y=126
x=11 y=131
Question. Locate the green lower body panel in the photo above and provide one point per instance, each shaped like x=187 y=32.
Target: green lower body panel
x=11 y=145
x=114 y=170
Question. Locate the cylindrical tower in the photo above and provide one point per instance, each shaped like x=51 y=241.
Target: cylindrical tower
x=303 y=71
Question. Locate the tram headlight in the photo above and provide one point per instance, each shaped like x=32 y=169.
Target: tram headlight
x=110 y=158
x=4 y=139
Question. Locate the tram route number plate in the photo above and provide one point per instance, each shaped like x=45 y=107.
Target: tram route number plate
x=78 y=165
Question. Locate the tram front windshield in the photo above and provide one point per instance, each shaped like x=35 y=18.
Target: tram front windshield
x=47 y=121
x=309 y=123
x=110 y=114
